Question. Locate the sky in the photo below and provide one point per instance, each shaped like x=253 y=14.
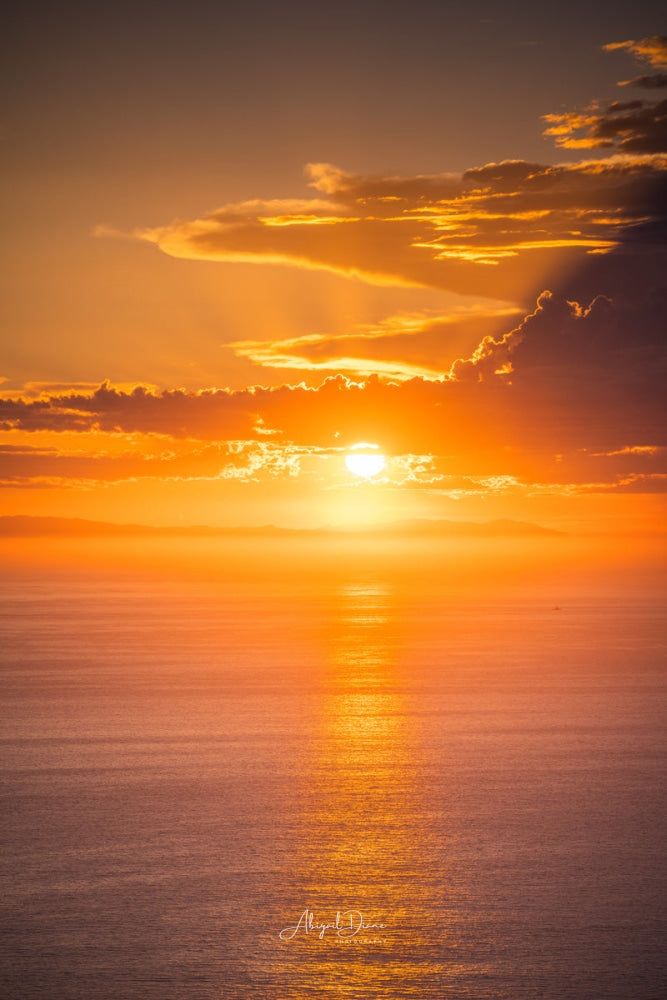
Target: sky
x=243 y=238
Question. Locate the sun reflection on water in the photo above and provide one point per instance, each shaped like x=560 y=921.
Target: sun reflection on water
x=361 y=852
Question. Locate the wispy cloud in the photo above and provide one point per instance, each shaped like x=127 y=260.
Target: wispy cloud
x=629 y=126
x=652 y=50
x=496 y=231
x=400 y=347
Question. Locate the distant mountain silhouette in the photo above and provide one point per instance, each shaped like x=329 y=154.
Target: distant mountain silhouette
x=66 y=527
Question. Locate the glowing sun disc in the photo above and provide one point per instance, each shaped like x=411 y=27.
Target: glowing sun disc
x=363 y=464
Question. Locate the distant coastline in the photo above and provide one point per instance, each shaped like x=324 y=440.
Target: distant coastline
x=20 y=526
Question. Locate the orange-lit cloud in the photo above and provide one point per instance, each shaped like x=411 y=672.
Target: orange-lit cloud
x=495 y=231
x=635 y=126
x=400 y=347
x=242 y=460
x=652 y=50
x=571 y=394
x=650 y=81
x=630 y=126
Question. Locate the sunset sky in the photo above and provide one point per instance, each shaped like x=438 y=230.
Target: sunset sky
x=241 y=239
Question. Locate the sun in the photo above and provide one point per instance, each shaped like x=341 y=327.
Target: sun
x=364 y=460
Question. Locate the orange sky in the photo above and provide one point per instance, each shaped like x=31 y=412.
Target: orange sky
x=469 y=278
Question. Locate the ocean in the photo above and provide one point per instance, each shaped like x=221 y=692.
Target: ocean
x=208 y=754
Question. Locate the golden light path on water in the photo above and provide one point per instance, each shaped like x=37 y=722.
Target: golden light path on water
x=362 y=856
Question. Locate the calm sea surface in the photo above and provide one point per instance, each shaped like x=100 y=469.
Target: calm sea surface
x=190 y=761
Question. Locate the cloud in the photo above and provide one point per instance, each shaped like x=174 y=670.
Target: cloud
x=499 y=231
x=652 y=81
x=502 y=231
x=623 y=338
x=247 y=462
x=652 y=50
x=400 y=347
x=573 y=389
x=240 y=460
x=631 y=127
